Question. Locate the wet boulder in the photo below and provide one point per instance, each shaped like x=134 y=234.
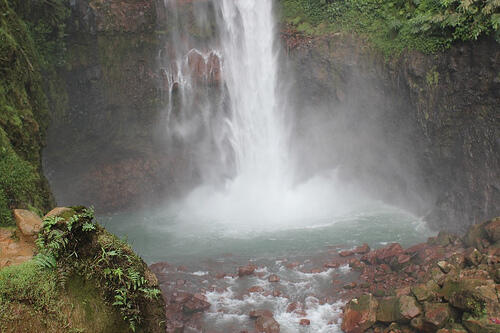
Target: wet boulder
x=254 y=314
x=480 y=324
x=436 y=315
x=360 y=314
x=408 y=308
x=246 y=270
x=363 y=249
x=266 y=324
x=471 y=295
x=388 y=310
x=274 y=278
x=425 y=291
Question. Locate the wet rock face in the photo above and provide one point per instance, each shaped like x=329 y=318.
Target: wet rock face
x=432 y=118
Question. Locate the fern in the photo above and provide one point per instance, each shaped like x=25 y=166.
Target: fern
x=45 y=260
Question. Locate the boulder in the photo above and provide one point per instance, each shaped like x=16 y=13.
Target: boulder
x=58 y=211
x=274 y=278
x=254 y=314
x=425 y=291
x=363 y=249
x=482 y=324
x=27 y=222
x=437 y=315
x=360 y=314
x=246 y=270
x=471 y=295
x=195 y=304
x=388 y=310
x=265 y=324
x=256 y=289
x=408 y=308
x=305 y=322
x=492 y=229
x=473 y=256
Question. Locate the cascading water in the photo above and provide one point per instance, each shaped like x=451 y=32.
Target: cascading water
x=227 y=107
x=251 y=74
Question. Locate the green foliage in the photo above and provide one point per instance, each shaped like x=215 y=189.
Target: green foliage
x=31 y=42
x=19 y=182
x=79 y=245
x=395 y=25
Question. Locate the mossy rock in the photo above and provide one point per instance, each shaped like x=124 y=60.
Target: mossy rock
x=388 y=310
x=479 y=324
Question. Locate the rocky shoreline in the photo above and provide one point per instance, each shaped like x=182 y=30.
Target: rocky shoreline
x=448 y=284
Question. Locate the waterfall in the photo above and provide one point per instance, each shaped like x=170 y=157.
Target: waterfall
x=257 y=131
x=226 y=112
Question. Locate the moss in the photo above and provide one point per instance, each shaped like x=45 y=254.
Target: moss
x=30 y=44
x=90 y=310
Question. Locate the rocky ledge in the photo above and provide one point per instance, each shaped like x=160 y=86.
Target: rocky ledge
x=448 y=284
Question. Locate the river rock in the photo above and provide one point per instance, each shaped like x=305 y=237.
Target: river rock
x=360 y=314
x=274 y=278
x=346 y=253
x=408 y=308
x=471 y=295
x=27 y=222
x=388 y=310
x=483 y=324
x=437 y=315
x=425 y=291
x=265 y=324
x=363 y=249
x=254 y=314
x=246 y=270
x=305 y=322
x=256 y=289
x=195 y=305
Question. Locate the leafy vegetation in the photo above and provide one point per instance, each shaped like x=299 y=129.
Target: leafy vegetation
x=75 y=243
x=395 y=25
x=31 y=44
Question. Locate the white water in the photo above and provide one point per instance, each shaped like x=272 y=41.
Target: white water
x=251 y=74
x=261 y=191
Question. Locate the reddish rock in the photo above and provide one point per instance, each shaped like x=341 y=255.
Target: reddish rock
x=331 y=265
x=260 y=313
x=346 y=253
x=437 y=314
x=274 y=278
x=160 y=267
x=246 y=270
x=362 y=249
x=293 y=306
x=292 y=265
x=256 y=289
x=267 y=325
x=182 y=297
x=305 y=322
x=195 y=305
x=27 y=222
x=360 y=314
